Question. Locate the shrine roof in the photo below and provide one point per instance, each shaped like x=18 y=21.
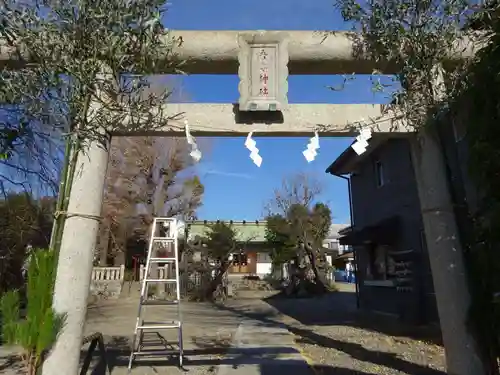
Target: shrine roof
x=246 y=231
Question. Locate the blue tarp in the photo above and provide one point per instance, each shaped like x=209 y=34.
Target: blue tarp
x=341 y=276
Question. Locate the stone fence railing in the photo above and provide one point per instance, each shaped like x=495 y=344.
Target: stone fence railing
x=107 y=281
x=164 y=272
x=110 y=280
x=118 y=273
x=108 y=273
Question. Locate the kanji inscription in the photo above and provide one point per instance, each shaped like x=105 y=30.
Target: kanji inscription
x=263 y=78
x=263 y=72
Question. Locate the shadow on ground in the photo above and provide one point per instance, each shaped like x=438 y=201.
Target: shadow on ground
x=118 y=354
x=339 y=309
x=12 y=363
x=334 y=309
x=293 y=368
x=118 y=351
x=366 y=355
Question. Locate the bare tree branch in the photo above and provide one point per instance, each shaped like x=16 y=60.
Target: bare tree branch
x=300 y=188
x=147 y=177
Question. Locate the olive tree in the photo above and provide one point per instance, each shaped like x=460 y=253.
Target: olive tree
x=296 y=226
x=82 y=69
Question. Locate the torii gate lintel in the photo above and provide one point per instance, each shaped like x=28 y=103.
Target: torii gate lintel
x=296 y=120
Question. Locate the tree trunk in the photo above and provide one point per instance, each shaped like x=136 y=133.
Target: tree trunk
x=295 y=279
x=320 y=277
x=209 y=293
x=104 y=247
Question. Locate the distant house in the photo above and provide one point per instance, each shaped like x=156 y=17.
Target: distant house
x=332 y=241
x=251 y=236
x=387 y=236
x=334 y=249
x=339 y=263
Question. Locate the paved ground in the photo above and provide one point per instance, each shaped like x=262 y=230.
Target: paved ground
x=216 y=341
x=271 y=336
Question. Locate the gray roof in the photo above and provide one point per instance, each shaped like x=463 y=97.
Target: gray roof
x=334 y=230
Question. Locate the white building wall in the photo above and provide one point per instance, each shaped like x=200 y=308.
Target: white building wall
x=329 y=259
x=264 y=264
x=332 y=241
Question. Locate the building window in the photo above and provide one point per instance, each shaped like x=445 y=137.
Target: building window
x=331 y=244
x=379 y=174
x=344 y=248
x=380 y=265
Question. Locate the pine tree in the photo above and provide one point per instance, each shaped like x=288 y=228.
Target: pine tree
x=37 y=331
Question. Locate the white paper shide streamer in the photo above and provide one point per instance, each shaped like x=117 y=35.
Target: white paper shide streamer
x=361 y=143
x=195 y=152
x=250 y=144
x=310 y=152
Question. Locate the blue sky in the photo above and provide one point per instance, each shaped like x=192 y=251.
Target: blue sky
x=235 y=189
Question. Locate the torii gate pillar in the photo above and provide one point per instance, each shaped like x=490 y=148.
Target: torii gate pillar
x=74 y=268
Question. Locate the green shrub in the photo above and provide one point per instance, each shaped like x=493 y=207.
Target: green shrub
x=129 y=275
x=37 y=330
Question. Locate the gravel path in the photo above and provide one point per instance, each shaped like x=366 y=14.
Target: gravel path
x=348 y=350
x=336 y=339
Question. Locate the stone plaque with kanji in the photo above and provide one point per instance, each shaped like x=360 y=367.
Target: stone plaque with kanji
x=263 y=72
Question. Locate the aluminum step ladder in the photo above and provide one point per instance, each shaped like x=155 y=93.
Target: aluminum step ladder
x=164 y=236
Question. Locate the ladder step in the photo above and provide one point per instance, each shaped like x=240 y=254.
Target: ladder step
x=160 y=280
x=166 y=239
x=145 y=327
x=162 y=260
x=156 y=352
x=169 y=220
x=155 y=302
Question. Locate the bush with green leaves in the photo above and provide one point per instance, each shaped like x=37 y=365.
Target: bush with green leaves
x=35 y=331
x=24 y=220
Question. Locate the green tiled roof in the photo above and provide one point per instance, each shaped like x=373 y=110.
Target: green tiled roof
x=246 y=231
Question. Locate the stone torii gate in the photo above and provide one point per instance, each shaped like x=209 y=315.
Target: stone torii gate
x=264 y=110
